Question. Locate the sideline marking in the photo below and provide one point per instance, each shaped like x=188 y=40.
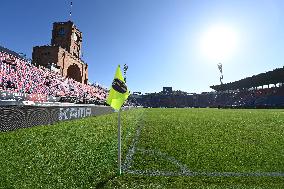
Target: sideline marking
x=131 y=151
x=183 y=168
x=208 y=174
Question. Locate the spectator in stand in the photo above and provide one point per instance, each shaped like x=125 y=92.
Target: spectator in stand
x=19 y=76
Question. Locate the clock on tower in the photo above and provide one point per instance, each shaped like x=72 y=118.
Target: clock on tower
x=66 y=35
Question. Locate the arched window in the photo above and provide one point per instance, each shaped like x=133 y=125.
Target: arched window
x=74 y=72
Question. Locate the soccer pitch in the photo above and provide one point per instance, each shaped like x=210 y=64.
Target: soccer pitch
x=162 y=148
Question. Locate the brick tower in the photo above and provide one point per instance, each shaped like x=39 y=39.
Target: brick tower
x=64 y=52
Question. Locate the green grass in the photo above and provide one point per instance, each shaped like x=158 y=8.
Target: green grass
x=70 y=154
x=218 y=140
x=83 y=153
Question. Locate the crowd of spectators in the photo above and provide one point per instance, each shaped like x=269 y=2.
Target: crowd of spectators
x=18 y=75
x=267 y=97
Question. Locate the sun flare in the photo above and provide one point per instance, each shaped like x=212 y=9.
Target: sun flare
x=219 y=43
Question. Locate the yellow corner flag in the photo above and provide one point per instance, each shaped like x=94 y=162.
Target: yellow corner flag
x=118 y=92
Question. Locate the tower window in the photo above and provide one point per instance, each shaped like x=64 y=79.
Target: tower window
x=61 y=31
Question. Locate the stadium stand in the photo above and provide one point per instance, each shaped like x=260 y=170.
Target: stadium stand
x=245 y=93
x=272 y=77
x=259 y=98
x=250 y=91
x=39 y=84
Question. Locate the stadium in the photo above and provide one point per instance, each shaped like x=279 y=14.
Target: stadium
x=244 y=93
x=60 y=130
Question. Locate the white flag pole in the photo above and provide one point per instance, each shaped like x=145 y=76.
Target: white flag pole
x=119 y=143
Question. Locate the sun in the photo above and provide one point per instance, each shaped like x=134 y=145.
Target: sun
x=219 y=43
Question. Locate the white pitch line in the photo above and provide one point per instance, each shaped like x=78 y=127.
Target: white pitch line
x=183 y=168
x=208 y=174
x=129 y=157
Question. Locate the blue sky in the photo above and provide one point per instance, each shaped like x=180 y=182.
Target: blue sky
x=158 y=39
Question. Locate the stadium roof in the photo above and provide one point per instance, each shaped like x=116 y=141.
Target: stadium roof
x=271 y=77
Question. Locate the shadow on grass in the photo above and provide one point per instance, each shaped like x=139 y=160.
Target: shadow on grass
x=103 y=183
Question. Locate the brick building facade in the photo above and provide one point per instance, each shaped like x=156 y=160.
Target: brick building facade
x=64 y=52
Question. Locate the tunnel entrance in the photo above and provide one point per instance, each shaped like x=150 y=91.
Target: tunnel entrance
x=74 y=72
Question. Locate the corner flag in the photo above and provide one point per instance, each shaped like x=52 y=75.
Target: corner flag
x=118 y=92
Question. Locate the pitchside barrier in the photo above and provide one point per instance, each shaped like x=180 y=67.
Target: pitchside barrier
x=18 y=97
x=15 y=117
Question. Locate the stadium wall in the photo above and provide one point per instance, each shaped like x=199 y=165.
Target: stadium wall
x=16 y=117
